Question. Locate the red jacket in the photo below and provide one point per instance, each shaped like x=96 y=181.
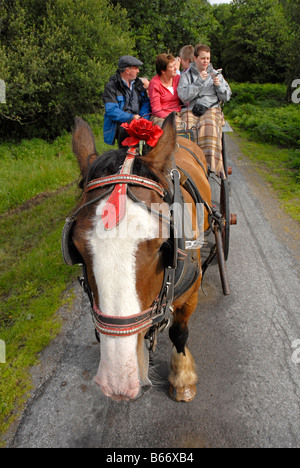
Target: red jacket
x=162 y=101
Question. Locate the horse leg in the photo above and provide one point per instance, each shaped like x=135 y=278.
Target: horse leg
x=182 y=376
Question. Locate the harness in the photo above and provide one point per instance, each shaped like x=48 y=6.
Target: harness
x=181 y=268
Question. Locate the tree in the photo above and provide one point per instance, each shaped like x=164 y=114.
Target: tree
x=253 y=41
x=292 y=13
x=218 y=36
x=56 y=57
x=166 y=25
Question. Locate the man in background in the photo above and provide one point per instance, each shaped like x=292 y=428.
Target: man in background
x=125 y=99
x=186 y=55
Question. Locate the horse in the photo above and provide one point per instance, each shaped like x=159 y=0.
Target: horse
x=130 y=277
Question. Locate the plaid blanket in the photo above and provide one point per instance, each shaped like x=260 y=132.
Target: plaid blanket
x=208 y=135
x=180 y=124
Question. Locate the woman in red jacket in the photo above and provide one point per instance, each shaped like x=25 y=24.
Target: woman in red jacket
x=163 y=90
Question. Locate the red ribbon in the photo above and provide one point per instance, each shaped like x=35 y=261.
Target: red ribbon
x=115 y=208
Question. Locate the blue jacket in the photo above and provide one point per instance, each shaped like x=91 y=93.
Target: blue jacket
x=114 y=98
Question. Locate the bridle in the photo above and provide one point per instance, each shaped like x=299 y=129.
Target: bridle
x=156 y=317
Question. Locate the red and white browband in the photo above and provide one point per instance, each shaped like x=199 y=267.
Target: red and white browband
x=114 y=210
x=125 y=326
x=129 y=179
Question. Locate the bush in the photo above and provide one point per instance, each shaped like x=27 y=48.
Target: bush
x=262 y=110
x=258 y=92
x=56 y=57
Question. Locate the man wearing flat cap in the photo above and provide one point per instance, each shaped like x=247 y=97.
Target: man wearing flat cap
x=125 y=99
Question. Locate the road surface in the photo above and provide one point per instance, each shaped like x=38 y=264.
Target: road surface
x=246 y=346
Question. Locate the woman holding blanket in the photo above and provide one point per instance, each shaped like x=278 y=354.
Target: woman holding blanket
x=201 y=89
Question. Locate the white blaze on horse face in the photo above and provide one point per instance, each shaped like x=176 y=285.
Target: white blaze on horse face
x=114 y=267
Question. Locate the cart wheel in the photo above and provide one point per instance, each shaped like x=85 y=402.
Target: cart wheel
x=221 y=262
x=225 y=212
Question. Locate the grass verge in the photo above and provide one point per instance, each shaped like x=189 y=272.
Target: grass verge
x=269 y=130
x=33 y=277
x=32 y=283
x=273 y=164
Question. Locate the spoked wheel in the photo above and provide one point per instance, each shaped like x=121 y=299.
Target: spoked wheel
x=225 y=212
x=221 y=261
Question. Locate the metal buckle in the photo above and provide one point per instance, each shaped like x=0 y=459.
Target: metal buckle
x=82 y=282
x=195 y=244
x=164 y=325
x=172 y=173
x=151 y=338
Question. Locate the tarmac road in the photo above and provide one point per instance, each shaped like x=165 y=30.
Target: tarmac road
x=245 y=346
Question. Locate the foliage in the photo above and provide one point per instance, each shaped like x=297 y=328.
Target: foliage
x=262 y=109
x=292 y=13
x=258 y=92
x=56 y=56
x=271 y=128
x=218 y=36
x=267 y=128
x=167 y=25
x=252 y=40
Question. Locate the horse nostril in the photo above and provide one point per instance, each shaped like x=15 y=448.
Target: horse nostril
x=130 y=397
x=119 y=398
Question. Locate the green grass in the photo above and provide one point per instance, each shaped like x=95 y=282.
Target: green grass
x=33 y=167
x=273 y=164
x=32 y=281
x=264 y=112
x=33 y=276
x=269 y=127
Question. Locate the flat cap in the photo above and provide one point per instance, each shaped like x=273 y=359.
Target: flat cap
x=129 y=61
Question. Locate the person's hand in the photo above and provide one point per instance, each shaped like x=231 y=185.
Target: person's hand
x=204 y=74
x=136 y=117
x=177 y=63
x=216 y=81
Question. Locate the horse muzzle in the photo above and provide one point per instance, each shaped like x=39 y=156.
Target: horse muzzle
x=120 y=394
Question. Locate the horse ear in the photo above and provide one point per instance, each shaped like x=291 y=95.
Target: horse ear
x=160 y=157
x=83 y=144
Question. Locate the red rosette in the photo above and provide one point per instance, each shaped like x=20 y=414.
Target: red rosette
x=141 y=129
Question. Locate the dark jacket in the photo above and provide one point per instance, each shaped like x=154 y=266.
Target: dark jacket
x=114 y=98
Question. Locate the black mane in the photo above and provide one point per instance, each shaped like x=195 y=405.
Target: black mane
x=109 y=163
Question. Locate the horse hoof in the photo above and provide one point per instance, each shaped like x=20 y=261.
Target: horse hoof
x=185 y=394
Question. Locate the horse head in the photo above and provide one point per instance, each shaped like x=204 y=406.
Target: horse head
x=125 y=263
